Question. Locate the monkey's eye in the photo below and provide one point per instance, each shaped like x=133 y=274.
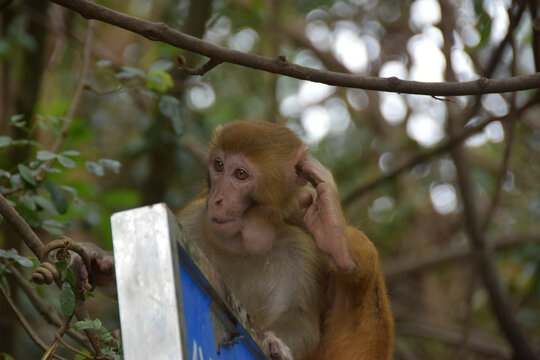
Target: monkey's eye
x=241 y=174
x=218 y=165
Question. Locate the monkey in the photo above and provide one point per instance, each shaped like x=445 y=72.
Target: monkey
x=312 y=283
x=271 y=223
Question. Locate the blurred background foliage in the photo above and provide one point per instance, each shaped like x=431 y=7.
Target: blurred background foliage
x=140 y=127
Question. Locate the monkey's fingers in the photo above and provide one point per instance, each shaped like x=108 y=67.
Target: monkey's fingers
x=314 y=172
x=305 y=199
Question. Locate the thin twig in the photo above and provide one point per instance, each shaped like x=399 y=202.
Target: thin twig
x=502 y=308
x=61 y=331
x=488 y=347
x=161 y=32
x=48 y=312
x=77 y=95
x=410 y=264
x=427 y=155
x=27 y=327
x=467 y=317
x=509 y=127
x=206 y=67
x=69 y=347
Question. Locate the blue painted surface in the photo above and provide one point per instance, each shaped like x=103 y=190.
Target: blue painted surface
x=196 y=299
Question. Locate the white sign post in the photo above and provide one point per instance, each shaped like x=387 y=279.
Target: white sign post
x=172 y=304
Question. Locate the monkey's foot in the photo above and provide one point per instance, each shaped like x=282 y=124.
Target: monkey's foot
x=275 y=348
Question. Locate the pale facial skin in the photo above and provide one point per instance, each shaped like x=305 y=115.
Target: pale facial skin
x=238 y=226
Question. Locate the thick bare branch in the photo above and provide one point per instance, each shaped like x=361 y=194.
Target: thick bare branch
x=279 y=65
x=20 y=226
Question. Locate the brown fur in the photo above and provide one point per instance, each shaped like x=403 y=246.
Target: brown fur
x=293 y=289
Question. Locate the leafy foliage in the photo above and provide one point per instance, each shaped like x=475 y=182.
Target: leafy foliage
x=139 y=109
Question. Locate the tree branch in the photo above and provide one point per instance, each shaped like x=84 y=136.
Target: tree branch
x=21 y=227
x=279 y=65
x=490 y=348
x=501 y=306
x=27 y=327
x=49 y=313
x=34 y=243
x=410 y=264
x=423 y=156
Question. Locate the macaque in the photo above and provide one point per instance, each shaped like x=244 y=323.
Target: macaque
x=271 y=223
x=312 y=283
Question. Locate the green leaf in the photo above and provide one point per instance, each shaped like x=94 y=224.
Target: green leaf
x=52 y=170
x=159 y=81
x=111 y=164
x=24 y=142
x=103 y=63
x=15 y=180
x=71 y=153
x=42 y=125
x=58 y=198
x=106 y=336
x=70 y=277
x=70 y=191
x=67 y=299
x=23 y=261
x=129 y=72
x=61 y=265
x=95 y=168
x=45 y=204
x=5 y=173
x=26 y=174
x=170 y=107
x=87 y=324
x=28 y=201
x=5 y=141
x=161 y=65
x=53 y=227
x=45 y=155
x=18 y=120
x=6 y=356
x=65 y=161
x=12 y=254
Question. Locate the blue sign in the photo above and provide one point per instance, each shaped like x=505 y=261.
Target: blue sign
x=211 y=331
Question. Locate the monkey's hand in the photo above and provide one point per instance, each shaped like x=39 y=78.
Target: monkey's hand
x=101 y=267
x=324 y=217
x=275 y=348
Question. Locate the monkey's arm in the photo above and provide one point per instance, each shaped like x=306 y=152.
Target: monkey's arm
x=360 y=325
x=324 y=217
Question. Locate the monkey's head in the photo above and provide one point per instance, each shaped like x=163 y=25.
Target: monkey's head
x=252 y=164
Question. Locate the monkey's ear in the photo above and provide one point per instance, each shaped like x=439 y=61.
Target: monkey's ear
x=296 y=178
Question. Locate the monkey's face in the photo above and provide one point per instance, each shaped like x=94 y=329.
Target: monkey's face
x=232 y=181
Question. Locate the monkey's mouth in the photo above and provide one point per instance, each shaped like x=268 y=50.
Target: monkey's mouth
x=219 y=222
